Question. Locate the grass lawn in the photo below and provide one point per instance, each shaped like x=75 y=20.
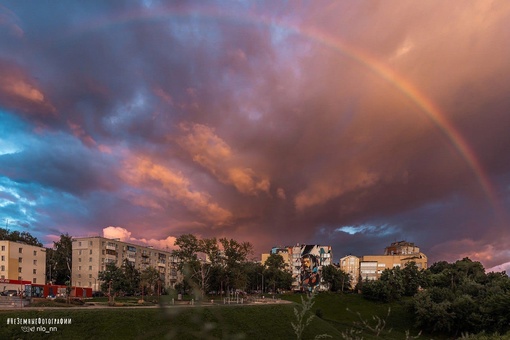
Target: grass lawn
x=346 y=312
x=215 y=322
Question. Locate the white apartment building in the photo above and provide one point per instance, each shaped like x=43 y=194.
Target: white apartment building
x=22 y=262
x=91 y=254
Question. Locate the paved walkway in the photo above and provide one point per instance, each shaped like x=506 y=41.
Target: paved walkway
x=180 y=304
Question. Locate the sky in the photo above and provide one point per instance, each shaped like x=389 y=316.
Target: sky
x=350 y=124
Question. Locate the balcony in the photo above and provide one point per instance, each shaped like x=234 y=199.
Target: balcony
x=111 y=247
x=161 y=264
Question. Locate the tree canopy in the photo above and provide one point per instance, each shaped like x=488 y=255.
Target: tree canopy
x=21 y=237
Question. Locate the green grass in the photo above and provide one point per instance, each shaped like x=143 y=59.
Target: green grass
x=341 y=311
x=216 y=322
x=338 y=313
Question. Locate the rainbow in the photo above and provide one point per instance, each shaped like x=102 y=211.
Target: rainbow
x=357 y=55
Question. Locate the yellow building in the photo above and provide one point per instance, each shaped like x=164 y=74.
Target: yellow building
x=23 y=262
x=91 y=254
x=350 y=265
x=372 y=266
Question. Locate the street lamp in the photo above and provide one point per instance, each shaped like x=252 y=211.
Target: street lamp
x=262 y=282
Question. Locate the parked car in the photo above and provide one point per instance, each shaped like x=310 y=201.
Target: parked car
x=10 y=292
x=98 y=294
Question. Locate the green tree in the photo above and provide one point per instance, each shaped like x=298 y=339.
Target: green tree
x=235 y=254
x=21 y=237
x=461 y=297
x=336 y=279
x=149 y=278
x=275 y=275
x=196 y=270
x=132 y=276
x=113 y=280
x=60 y=260
x=412 y=278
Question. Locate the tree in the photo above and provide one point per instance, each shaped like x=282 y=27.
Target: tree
x=16 y=236
x=461 y=297
x=149 y=280
x=60 y=260
x=113 y=280
x=234 y=255
x=132 y=276
x=275 y=273
x=337 y=279
x=196 y=270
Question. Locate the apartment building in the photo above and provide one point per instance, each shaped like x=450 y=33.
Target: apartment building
x=350 y=265
x=22 y=262
x=293 y=256
x=284 y=252
x=398 y=254
x=91 y=254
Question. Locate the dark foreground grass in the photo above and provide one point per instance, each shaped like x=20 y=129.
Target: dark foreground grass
x=345 y=312
x=214 y=322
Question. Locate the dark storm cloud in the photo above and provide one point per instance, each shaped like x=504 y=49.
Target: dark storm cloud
x=272 y=123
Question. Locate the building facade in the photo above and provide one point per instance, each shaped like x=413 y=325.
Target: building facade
x=350 y=265
x=22 y=262
x=91 y=254
x=370 y=267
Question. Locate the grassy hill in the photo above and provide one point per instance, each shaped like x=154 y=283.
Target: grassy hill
x=214 y=322
x=349 y=314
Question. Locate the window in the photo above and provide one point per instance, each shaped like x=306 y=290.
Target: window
x=90 y=243
x=90 y=276
x=90 y=284
x=79 y=252
x=79 y=276
x=3 y=248
x=90 y=259
x=90 y=251
x=79 y=259
x=79 y=267
x=2 y=268
x=79 y=244
x=21 y=250
x=19 y=269
x=35 y=262
x=20 y=260
x=35 y=252
x=3 y=258
x=90 y=267
x=34 y=271
x=34 y=280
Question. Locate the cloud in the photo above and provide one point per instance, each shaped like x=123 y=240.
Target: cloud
x=160 y=185
x=19 y=92
x=125 y=236
x=277 y=123
x=213 y=153
x=326 y=189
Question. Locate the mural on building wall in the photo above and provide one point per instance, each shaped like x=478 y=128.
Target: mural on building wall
x=310 y=272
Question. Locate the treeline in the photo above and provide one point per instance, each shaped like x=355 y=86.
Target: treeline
x=214 y=266
x=21 y=237
x=450 y=298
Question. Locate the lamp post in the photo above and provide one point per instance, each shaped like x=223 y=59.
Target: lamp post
x=261 y=274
